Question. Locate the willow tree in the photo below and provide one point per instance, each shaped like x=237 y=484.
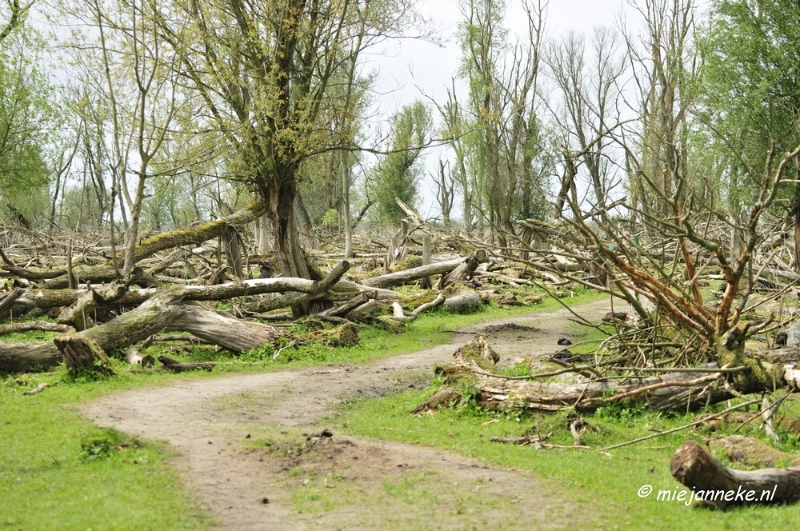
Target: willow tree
x=263 y=69
x=751 y=95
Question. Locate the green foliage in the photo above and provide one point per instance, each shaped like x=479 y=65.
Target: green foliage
x=28 y=120
x=100 y=444
x=749 y=87
x=59 y=472
x=330 y=220
x=583 y=476
x=399 y=172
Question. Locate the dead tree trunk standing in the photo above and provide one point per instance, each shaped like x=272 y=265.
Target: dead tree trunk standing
x=721 y=486
x=233 y=251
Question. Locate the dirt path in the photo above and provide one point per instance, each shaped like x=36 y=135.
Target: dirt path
x=357 y=483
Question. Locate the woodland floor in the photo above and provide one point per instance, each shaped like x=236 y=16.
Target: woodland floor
x=214 y=425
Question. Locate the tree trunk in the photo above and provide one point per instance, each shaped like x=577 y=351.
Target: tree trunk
x=719 y=486
x=233 y=334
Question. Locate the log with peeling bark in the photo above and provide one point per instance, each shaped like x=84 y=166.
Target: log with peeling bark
x=716 y=485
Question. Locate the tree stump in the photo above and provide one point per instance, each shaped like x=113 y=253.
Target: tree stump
x=83 y=354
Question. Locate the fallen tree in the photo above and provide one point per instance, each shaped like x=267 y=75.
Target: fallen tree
x=716 y=485
x=689 y=388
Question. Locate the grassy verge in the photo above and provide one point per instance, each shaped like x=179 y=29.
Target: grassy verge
x=606 y=483
x=59 y=472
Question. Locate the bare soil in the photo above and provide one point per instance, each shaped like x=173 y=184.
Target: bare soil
x=306 y=479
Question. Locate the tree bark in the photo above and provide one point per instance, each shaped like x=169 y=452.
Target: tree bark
x=233 y=334
x=721 y=486
x=464 y=271
x=415 y=273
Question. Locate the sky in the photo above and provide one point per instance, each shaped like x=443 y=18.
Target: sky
x=414 y=70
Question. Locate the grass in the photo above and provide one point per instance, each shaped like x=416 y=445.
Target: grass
x=606 y=483
x=58 y=472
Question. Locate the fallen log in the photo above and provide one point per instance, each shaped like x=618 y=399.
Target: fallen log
x=83 y=354
x=464 y=271
x=463 y=302
x=36 y=390
x=128 y=328
x=44 y=326
x=415 y=273
x=715 y=485
x=79 y=314
x=9 y=299
x=220 y=329
x=177 y=238
x=134 y=357
x=177 y=366
x=46 y=298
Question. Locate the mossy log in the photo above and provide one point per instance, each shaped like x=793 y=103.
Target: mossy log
x=751 y=452
x=672 y=391
x=176 y=238
x=83 y=354
x=345 y=335
x=719 y=486
x=128 y=328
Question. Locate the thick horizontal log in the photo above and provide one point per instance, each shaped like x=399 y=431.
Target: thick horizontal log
x=415 y=273
x=122 y=331
x=27 y=326
x=46 y=298
x=28 y=356
x=177 y=366
x=719 y=486
x=233 y=334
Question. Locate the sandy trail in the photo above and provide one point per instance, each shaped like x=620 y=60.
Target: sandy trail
x=382 y=485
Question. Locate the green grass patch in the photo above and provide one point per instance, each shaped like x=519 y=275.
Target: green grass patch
x=606 y=482
x=59 y=472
